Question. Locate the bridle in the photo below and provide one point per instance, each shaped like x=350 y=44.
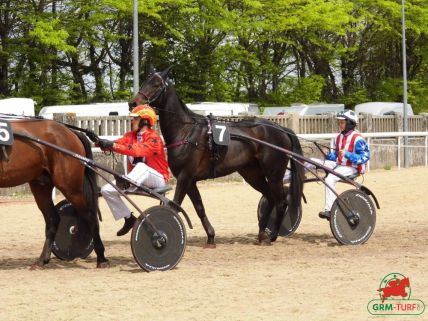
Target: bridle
x=157 y=94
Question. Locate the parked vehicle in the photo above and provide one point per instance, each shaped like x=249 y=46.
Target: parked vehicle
x=98 y=109
x=383 y=108
x=305 y=110
x=224 y=109
x=17 y=106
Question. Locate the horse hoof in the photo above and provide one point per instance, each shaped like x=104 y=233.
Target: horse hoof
x=103 y=265
x=36 y=267
x=210 y=246
x=264 y=239
x=265 y=242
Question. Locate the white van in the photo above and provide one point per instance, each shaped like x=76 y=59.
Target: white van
x=223 y=108
x=383 y=108
x=305 y=110
x=17 y=106
x=98 y=109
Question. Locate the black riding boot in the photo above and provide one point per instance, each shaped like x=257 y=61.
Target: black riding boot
x=325 y=214
x=129 y=223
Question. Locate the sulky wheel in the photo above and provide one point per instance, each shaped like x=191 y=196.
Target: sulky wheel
x=365 y=211
x=158 y=240
x=289 y=224
x=73 y=238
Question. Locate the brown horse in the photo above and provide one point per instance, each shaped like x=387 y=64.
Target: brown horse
x=193 y=156
x=45 y=168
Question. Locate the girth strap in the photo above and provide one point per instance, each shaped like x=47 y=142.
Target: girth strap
x=5 y=156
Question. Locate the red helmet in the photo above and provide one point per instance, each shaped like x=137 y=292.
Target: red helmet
x=145 y=112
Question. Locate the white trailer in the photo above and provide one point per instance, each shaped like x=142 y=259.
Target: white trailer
x=98 y=109
x=17 y=106
x=224 y=108
x=383 y=108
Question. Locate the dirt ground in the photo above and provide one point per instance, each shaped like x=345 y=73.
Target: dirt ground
x=307 y=276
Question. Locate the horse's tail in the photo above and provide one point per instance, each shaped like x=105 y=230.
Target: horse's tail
x=90 y=187
x=297 y=175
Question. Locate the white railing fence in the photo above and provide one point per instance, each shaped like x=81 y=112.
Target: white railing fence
x=118 y=125
x=387 y=149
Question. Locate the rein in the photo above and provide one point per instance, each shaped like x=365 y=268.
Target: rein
x=177 y=144
x=183 y=141
x=29 y=118
x=160 y=92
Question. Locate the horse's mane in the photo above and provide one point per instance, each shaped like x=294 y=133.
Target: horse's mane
x=188 y=111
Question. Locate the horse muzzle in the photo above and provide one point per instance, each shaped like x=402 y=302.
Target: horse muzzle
x=132 y=104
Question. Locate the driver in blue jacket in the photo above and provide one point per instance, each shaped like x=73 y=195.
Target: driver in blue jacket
x=349 y=156
x=350 y=153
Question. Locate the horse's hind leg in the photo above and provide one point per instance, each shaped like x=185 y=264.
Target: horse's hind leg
x=93 y=222
x=80 y=204
x=42 y=191
x=279 y=197
x=253 y=176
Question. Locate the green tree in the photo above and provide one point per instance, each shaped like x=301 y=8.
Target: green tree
x=272 y=52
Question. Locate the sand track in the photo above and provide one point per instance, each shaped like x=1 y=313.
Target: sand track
x=305 y=277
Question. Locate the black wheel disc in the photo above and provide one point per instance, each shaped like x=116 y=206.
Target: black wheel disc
x=289 y=224
x=73 y=238
x=160 y=249
x=353 y=234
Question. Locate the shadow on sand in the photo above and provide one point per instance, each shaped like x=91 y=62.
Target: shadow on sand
x=251 y=239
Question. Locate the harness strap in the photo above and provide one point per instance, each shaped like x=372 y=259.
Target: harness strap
x=177 y=144
x=5 y=156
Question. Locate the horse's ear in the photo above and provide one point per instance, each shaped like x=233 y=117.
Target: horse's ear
x=164 y=74
x=151 y=70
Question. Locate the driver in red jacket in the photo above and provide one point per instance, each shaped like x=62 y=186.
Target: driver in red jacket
x=147 y=163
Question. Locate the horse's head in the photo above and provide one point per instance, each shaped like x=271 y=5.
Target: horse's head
x=152 y=89
x=405 y=282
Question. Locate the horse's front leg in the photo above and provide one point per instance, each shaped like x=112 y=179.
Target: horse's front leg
x=181 y=188
x=196 y=199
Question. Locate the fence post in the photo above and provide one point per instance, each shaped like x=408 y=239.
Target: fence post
x=425 y=122
x=294 y=122
x=398 y=123
x=367 y=123
x=332 y=123
x=399 y=128
x=68 y=118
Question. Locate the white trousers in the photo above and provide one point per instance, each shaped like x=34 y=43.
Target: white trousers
x=143 y=175
x=331 y=180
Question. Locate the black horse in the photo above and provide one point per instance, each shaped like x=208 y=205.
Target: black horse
x=193 y=156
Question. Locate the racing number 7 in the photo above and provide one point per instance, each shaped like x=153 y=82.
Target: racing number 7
x=223 y=129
